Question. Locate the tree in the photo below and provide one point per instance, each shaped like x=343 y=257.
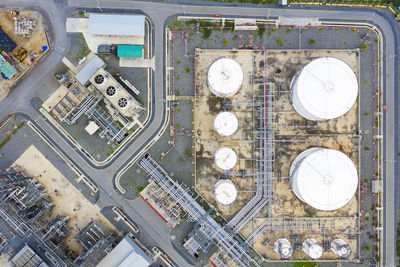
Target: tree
x=364 y=47
x=312 y=41
x=280 y=42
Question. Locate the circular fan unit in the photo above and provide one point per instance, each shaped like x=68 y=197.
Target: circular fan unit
x=110 y=91
x=99 y=79
x=122 y=102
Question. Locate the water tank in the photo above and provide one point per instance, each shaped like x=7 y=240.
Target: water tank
x=312 y=248
x=283 y=247
x=326 y=88
x=225 y=192
x=226 y=124
x=340 y=248
x=225 y=158
x=325 y=179
x=224 y=77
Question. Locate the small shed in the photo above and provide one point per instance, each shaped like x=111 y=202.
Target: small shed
x=131 y=51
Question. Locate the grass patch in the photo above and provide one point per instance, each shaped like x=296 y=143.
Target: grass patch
x=188 y=153
x=4 y=142
x=120 y=123
x=305 y=264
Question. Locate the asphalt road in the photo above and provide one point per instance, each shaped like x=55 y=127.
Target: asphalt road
x=153 y=229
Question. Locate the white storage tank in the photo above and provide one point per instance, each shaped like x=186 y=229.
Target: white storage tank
x=312 y=248
x=283 y=247
x=340 y=248
x=225 y=158
x=225 y=192
x=325 y=179
x=326 y=88
x=225 y=77
x=226 y=124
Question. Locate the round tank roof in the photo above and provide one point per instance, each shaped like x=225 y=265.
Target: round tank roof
x=312 y=248
x=324 y=89
x=225 y=158
x=226 y=124
x=224 y=77
x=326 y=179
x=225 y=192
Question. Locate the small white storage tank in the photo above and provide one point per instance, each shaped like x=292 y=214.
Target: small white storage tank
x=283 y=247
x=340 y=248
x=325 y=179
x=324 y=89
x=225 y=77
x=312 y=248
x=225 y=158
x=226 y=124
x=225 y=192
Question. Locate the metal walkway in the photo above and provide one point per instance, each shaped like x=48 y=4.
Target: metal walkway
x=214 y=230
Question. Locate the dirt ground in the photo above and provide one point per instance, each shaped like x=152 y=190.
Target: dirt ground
x=31 y=42
x=67 y=200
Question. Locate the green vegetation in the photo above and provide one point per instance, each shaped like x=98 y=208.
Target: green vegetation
x=280 y=42
x=206 y=32
x=188 y=153
x=178 y=109
x=176 y=23
x=367 y=219
x=366 y=148
x=305 y=264
x=225 y=42
x=180 y=159
x=367 y=113
x=260 y=31
x=188 y=102
x=177 y=125
x=178 y=61
x=367 y=248
x=119 y=123
x=5 y=141
x=312 y=41
x=187 y=70
x=140 y=188
x=84 y=49
x=364 y=47
x=81 y=13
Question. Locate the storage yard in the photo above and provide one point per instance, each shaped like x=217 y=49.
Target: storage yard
x=247 y=139
x=23 y=42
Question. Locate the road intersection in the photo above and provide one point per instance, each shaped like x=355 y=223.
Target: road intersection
x=153 y=230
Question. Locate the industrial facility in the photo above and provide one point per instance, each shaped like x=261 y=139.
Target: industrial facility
x=28 y=238
x=88 y=89
x=276 y=150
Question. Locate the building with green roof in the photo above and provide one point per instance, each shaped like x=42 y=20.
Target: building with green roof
x=131 y=51
x=6 y=68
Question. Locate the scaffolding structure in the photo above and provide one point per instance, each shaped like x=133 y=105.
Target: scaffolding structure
x=23 y=202
x=212 y=230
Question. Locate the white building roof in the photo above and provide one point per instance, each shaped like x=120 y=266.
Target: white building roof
x=226 y=124
x=225 y=158
x=225 y=192
x=126 y=253
x=225 y=77
x=89 y=70
x=326 y=179
x=129 y=25
x=326 y=88
x=91 y=128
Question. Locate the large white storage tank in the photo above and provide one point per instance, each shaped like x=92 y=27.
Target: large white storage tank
x=326 y=88
x=340 y=248
x=325 y=179
x=226 y=124
x=283 y=247
x=225 y=192
x=225 y=158
x=312 y=248
x=225 y=77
